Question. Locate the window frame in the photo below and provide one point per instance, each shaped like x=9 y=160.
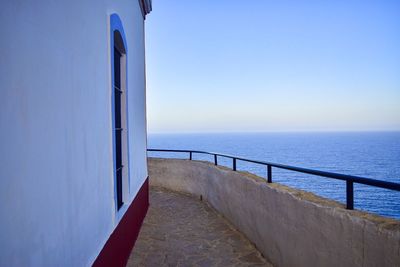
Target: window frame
x=121 y=184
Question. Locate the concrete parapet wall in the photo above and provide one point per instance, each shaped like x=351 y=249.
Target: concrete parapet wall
x=290 y=227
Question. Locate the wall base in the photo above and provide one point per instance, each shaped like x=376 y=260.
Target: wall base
x=118 y=247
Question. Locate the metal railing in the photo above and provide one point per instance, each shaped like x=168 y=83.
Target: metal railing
x=350 y=179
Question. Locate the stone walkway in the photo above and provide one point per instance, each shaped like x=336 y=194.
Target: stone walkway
x=180 y=230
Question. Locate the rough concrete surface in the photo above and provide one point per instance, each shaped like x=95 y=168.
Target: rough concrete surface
x=180 y=230
x=290 y=227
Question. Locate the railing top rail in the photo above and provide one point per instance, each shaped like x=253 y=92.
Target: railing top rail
x=333 y=175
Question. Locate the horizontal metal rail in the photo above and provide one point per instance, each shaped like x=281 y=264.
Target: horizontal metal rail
x=350 y=179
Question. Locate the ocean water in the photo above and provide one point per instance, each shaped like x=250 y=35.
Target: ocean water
x=369 y=154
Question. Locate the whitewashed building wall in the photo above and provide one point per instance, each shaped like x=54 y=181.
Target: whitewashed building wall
x=57 y=198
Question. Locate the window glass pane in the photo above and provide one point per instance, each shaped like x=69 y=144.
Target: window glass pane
x=119 y=188
x=117 y=109
x=117 y=68
x=118 y=149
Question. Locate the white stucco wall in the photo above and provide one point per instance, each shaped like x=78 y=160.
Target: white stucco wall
x=56 y=178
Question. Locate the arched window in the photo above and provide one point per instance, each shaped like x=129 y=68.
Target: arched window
x=119 y=108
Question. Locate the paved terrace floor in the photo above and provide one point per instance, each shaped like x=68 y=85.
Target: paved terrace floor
x=180 y=230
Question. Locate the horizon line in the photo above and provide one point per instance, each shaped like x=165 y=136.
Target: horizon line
x=277 y=131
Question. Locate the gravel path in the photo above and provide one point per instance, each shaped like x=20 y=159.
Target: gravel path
x=180 y=230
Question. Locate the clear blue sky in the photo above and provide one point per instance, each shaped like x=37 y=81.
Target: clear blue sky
x=240 y=66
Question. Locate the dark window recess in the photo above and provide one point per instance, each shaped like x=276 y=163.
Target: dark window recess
x=118 y=125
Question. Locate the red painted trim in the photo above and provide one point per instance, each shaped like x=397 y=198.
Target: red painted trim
x=118 y=247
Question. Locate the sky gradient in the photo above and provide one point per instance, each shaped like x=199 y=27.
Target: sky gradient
x=238 y=66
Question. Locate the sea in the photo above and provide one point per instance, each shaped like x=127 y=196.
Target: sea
x=373 y=155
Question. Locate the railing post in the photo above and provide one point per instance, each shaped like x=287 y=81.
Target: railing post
x=190 y=155
x=215 y=159
x=234 y=164
x=349 y=195
x=269 y=173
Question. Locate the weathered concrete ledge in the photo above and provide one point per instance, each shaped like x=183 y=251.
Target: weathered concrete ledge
x=290 y=227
